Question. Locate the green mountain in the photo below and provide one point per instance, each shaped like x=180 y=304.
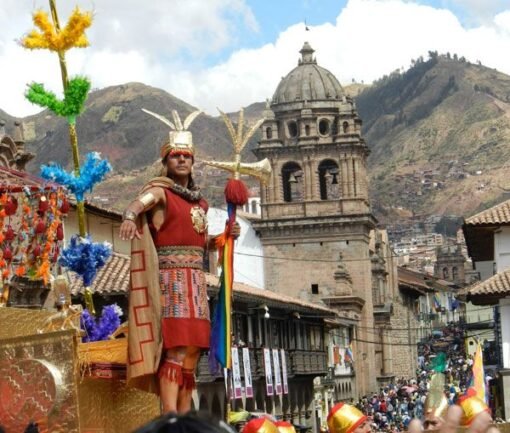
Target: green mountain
x=439 y=135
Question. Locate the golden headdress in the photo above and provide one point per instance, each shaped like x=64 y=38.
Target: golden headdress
x=344 y=418
x=180 y=139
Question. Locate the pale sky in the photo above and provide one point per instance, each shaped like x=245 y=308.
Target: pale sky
x=231 y=53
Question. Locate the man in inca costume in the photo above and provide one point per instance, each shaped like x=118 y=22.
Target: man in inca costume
x=168 y=309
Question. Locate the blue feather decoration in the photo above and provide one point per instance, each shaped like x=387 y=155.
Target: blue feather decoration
x=93 y=170
x=108 y=323
x=85 y=257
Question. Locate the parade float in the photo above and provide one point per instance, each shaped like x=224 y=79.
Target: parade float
x=61 y=367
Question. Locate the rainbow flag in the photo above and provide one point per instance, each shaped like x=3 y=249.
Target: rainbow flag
x=478 y=379
x=437 y=302
x=348 y=356
x=221 y=331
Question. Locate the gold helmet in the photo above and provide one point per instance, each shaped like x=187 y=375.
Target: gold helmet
x=180 y=139
x=285 y=427
x=260 y=425
x=344 y=418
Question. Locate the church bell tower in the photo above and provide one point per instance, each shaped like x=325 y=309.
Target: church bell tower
x=315 y=208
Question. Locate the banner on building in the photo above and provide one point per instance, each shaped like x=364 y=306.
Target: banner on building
x=268 y=372
x=248 y=385
x=277 y=373
x=236 y=374
x=284 y=372
x=336 y=355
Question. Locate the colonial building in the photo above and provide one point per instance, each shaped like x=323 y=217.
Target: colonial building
x=316 y=219
x=487 y=237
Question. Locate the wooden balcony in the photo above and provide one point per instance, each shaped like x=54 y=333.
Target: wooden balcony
x=299 y=362
x=305 y=362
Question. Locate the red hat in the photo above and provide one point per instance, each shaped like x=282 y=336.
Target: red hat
x=260 y=425
x=285 y=427
x=344 y=418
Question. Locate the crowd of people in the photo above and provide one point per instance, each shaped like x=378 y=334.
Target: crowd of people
x=395 y=405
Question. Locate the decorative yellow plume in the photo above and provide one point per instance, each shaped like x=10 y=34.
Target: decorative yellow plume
x=71 y=36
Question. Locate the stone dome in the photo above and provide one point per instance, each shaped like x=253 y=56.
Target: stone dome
x=308 y=82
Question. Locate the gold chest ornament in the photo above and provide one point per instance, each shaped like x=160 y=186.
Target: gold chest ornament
x=198 y=219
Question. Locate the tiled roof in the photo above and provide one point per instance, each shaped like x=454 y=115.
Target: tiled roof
x=112 y=278
x=14 y=180
x=499 y=214
x=241 y=289
x=497 y=286
x=412 y=279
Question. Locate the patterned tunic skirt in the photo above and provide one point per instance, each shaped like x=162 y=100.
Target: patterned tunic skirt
x=185 y=309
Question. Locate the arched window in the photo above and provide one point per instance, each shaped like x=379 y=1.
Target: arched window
x=324 y=127
x=329 y=180
x=345 y=127
x=292 y=178
x=455 y=273
x=292 y=128
x=446 y=274
x=269 y=133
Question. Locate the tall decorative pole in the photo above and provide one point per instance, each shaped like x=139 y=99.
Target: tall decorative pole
x=236 y=194
x=81 y=255
x=53 y=38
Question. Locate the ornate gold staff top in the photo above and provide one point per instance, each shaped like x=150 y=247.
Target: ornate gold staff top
x=235 y=191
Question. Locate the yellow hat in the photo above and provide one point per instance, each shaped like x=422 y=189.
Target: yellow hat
x=260 y=425
x=471 y=406
x=180 y=139
x=285 y=427
x=344 y=418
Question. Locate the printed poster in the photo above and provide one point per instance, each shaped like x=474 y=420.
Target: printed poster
x=236 y=374
x=248 y=385
x=284 y=372
x=269 y=374
x=277 y=374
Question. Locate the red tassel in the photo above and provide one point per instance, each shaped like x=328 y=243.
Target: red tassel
x=171 y=371
x=11 y=206
x=9 y=234
x=64 y=207
x=60 y=232
x=236 y=192
x=188 y=379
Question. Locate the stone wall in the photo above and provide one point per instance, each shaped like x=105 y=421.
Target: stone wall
x=404 y=337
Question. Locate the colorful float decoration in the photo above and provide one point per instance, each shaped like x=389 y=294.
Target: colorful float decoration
x=82 y=255
x=31 y=235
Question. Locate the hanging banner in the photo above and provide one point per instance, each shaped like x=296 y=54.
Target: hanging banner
x=277 y=374
x=269 y=374
x=236 y=374
x=248 y=385
x=336 y=355
x=284 y=372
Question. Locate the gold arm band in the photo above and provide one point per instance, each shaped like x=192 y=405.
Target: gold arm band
x=147 y=200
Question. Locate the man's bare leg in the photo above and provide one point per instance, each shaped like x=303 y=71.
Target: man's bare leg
x=189 y=366
x=170 y=378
